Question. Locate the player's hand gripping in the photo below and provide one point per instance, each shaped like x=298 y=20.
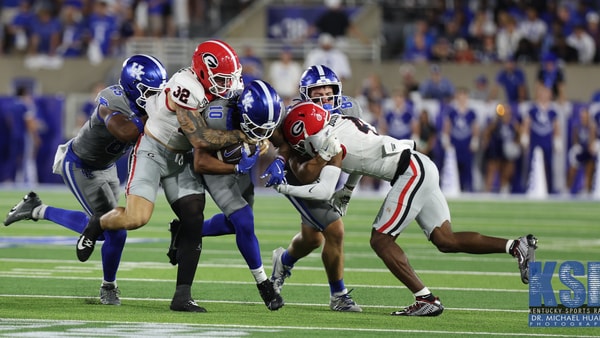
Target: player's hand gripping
x=276 y=172
x=324 y=143
x=340 y=200
x=246 y=162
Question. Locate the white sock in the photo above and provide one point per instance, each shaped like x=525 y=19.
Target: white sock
x=38 y=212
x=509 y=243
x=259 y=274
x=423 y=292
x=109 y=283
x=341 y=293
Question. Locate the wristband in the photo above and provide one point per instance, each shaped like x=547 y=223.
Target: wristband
x=138 y=123
x=110 y=116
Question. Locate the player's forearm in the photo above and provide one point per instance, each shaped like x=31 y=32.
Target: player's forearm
x=322 y=189
x=205 y=163
x=200 y=136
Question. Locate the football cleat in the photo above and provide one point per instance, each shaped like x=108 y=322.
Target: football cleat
x=272 y=299
x=422 y=307
x=280 y=271
x=344 y=303
x=87 y=240
x=523 y=249
x=24 y=209
x=109 y=294
x=174 y=229
x=186 y=306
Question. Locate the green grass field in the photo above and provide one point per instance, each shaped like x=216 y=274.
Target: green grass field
x=45 y=291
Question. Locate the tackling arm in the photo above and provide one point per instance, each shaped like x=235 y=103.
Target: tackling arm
x=122 y=127
x=322 y=189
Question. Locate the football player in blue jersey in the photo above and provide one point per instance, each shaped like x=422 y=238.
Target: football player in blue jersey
x=87 y=162
x=321 y=221
x=257 y=111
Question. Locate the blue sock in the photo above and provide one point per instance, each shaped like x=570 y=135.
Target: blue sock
x=111 y=253
x=71 y=219
x=217 y=225
x=337 y=286
x=288 y=259
x=243 y=221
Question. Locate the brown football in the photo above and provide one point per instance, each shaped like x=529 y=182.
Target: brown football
x=233 y=153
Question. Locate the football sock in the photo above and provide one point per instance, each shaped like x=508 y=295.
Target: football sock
x=104 y=282
x=247 y=243
x=217 y=225
x=259 y=274
x=287 y=259
x=114 y=242
x=423 y=293
x=70 y=219
x=509 y=245
x=337 y=288
x=38 y=212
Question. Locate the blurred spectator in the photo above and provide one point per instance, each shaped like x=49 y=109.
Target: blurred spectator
x=442 y=50
x=425 y=134
x=104 y=29
x=550 y=75
x=44 y=39
x=507 y=39
x=417 y=51
x=511 y=78
x=541 y=130
x=419 y=30
x=327 y=54
x=19 y=29
x=437 y=86
x=399 y=115
x=583 y=43
x=593 y=28
x=73 y=31
x=501 y=149
x=374 y=90
x=128 y=27
x=487 y=53
x=461 y=130
x=562 y=50
x=160 y=15
x=533 y=30
x=463 y=52
x=482 y=26
x=8 y=10
x=284 y=75
x=583 y=151
x=408 y=79
x=481 y=91
x=336 y=22
x=252 y=65
x=25 y=136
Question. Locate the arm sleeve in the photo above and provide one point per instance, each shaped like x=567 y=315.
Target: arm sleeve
x=322 y=189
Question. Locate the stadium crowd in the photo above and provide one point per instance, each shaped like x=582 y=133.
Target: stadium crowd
x=494 y=149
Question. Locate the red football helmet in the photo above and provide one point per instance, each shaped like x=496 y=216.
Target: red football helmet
x=303 y=120
x=217 y=67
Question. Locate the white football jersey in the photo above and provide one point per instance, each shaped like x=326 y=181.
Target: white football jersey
x=187 y=92
x=366 y=152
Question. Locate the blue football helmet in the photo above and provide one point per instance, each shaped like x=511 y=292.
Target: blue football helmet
x=260 y=109
x=318 y=76
x=141 y=77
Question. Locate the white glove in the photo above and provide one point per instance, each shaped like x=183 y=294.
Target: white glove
x=323 y=143
x=281 y=188
x=340 y=200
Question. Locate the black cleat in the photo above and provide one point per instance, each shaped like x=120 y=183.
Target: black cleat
x=24 y=209
x=523 y=249
x=187 y=306
x=272 y=299
x=87 y=240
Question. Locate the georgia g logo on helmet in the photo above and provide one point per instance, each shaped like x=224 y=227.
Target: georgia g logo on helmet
x=297 y=129
x=210 y=60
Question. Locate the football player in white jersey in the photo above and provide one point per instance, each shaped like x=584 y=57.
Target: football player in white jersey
x=336 y=143
x=87 y=162
x=162 y=157
x=321 y=222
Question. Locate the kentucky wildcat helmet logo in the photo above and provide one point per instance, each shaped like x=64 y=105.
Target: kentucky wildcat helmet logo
x=210 y=60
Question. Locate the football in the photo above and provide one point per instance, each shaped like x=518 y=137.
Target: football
x=233 y=153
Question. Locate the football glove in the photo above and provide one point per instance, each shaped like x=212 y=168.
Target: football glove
x=340 y=200
x=323 y=143
x=246 y=162
x=276 y=172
